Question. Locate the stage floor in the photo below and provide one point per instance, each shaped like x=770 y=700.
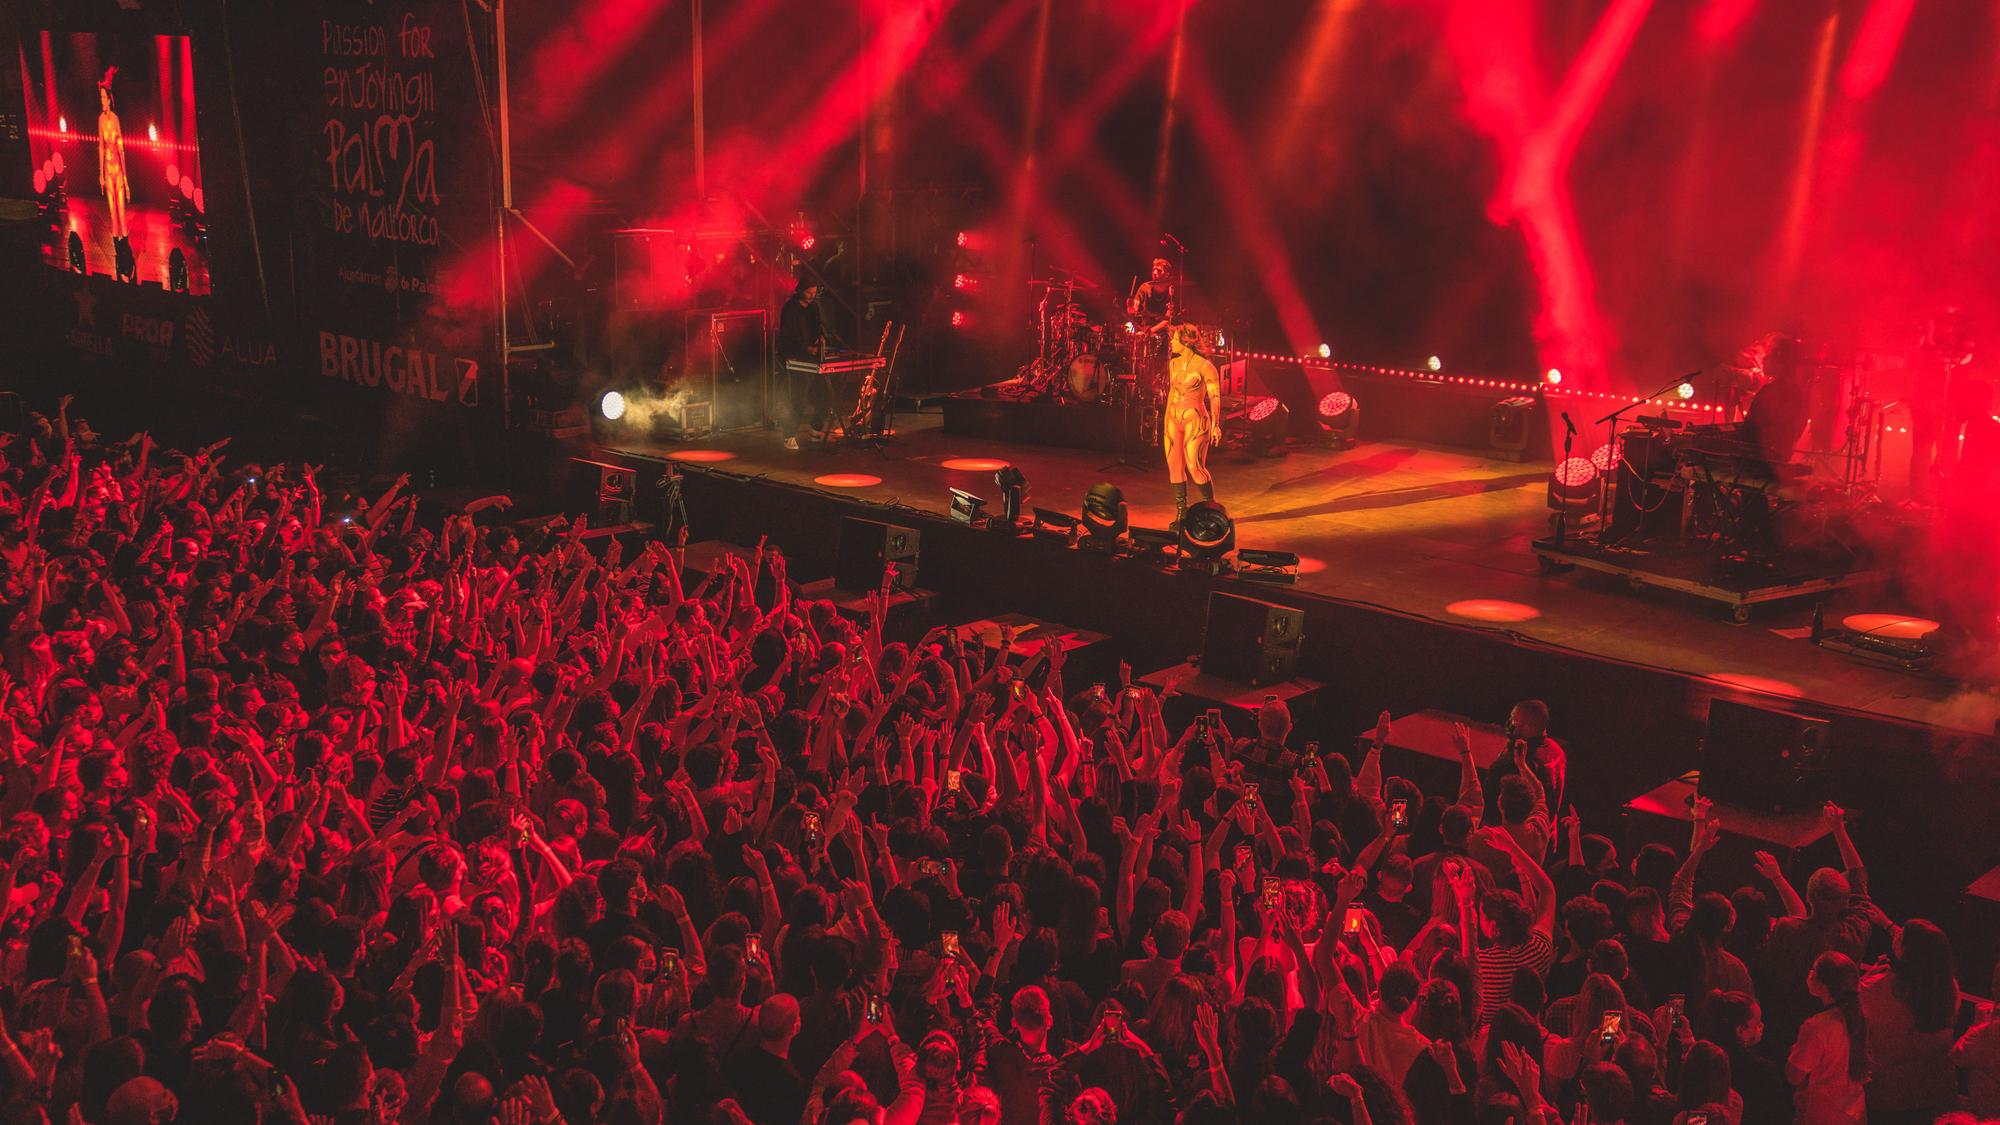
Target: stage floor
x=154 y=239
x=1436 y=533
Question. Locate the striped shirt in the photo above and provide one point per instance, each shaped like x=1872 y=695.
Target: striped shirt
x=1498 y=964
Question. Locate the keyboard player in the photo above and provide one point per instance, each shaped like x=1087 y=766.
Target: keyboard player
x=802 y=335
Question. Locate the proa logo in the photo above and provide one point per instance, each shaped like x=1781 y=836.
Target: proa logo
x=150 y=330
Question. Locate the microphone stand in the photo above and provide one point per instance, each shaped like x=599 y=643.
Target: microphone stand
x=1562 y=510
x=1610 y=421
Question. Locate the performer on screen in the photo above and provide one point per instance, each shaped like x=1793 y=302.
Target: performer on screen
x=111 y=157
x=1193 y=420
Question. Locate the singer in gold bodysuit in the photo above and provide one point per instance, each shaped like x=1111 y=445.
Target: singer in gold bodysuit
x=1193 y=418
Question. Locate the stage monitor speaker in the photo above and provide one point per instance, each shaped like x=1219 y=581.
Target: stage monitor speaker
x=1251 y=642
x=1511 y=432
x=867 y=548
x=1764 y=758
x=609 y=492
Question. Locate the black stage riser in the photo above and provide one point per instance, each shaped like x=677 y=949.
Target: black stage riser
x=1629 y=728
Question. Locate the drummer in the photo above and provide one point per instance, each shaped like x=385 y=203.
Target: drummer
x=1154 y=303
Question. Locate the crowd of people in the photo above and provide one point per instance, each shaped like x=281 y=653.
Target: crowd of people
x=326 y=808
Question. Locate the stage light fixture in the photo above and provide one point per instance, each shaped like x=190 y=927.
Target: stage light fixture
x=153 y=133
x=56 y=162
x=1341 y=415
x=958 y=318
x=1434 y=363
x=1685 y=390
x=962 y=281
x=1050 y=522
x=1326 y=351
x=965 y=507
x=612 y=406
x=1105 y=515
x=1280 y=568
x=964 y=240
x=1013 y=485
x=1554 y=377
x=62 y=124
x=1267 y=420
x=1574 y=486
x=1207 y=532
x=173 y=175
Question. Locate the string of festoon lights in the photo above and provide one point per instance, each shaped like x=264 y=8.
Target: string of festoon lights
x=1549 y=385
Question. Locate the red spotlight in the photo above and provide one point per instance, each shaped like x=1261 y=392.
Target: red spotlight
x=56 y=161
x=808 y=242
x=173 y=175
x=1577 y=472
x=1554 y=377
x=961 y=281
x=41 y=181
x=964 y=240
x=1335 y=403
x=1607 y=456
x=958 y=318
x=1261 y=409
x=1493 y=609
x=847 y=480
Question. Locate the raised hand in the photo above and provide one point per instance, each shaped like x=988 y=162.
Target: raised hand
x=1766 y=866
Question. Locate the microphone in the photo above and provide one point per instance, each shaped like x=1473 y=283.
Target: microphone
x=1567 y=424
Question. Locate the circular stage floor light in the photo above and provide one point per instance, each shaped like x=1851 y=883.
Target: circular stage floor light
x=974 y=464
x=701 y=456
x=1889 y=626
x=1492 y=609
x=1764 y=684
x=847 y=480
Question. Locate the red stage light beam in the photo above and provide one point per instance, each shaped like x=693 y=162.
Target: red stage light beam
x=1250 y=214
x=1721 y=21
x=1493 y=43
x=1874 y=49
x=1792 y=240
x=1163 y=157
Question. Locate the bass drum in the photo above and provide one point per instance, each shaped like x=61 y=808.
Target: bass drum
x=1086 y=378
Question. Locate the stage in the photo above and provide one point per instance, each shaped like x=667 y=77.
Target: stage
x=1438 y=534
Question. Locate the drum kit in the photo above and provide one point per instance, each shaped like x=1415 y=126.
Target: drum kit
x=1080 y=359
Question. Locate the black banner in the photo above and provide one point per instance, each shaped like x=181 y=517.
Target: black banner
x=396 y=298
